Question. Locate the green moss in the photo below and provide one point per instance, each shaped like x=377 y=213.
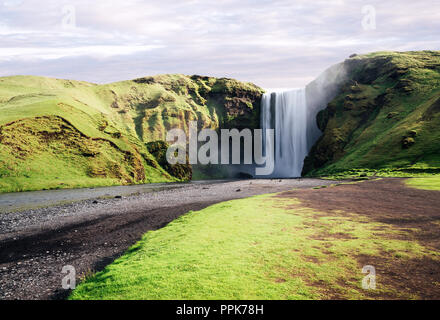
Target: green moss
x=49 y=153
x=158 y=149
x=115 y=120
x=390 y=120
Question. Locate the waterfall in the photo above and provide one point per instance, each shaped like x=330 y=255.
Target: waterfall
x=286 y=112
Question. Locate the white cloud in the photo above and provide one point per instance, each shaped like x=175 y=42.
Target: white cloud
x=273 y=43
x=33 y=53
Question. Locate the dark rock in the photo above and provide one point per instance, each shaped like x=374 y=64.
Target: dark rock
x=407 y=142
x=158 y=150
x=432 y=111
x=146 y=80
x=412 y=133
x=392 y=115
x=322 y=119
x=244 y=175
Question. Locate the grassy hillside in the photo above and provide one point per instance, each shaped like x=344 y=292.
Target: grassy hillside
x=60 y=133
x=385 y=119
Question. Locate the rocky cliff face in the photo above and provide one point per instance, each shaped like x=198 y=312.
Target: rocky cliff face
x=158 y=104
x=382 y=114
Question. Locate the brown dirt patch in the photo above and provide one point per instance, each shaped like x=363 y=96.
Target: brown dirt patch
x=411 y=279
x=386 y=200
x=415 y=212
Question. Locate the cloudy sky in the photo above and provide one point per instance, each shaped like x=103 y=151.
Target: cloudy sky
x=284 y=43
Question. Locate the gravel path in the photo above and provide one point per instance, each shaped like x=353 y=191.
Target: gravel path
x=98 y=227
x=20 y=201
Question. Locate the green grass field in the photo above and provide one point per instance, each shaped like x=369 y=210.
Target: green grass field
x=426 y=183
x=257 y=248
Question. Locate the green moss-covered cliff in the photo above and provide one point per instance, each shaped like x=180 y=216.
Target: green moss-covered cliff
x=61 y=133
x=385 y=115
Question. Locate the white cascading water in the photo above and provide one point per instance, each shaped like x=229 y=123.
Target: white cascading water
x=286 y=112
